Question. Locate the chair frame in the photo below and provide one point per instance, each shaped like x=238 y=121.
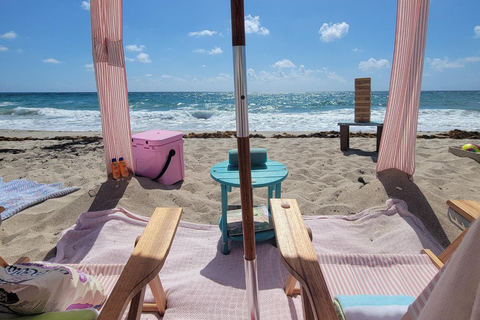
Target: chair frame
x=150 y=253
x=299 y=258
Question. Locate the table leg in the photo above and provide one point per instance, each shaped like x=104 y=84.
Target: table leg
x=224 y=219
x=271 y=188
x=379 y=136
x=344 y=137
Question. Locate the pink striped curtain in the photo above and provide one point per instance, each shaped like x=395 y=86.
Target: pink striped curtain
x=397 y=148
x=110 y=74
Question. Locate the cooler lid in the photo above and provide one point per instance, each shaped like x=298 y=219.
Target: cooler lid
x=156 y=137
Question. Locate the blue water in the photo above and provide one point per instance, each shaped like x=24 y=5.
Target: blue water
x=212 y=111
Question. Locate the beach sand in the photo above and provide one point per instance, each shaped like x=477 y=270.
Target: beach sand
x=324 y=180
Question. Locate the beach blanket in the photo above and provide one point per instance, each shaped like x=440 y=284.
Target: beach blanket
x=17 y=195
x=197 y=274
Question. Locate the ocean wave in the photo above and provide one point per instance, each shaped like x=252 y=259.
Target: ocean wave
x=204 y=115
x=8 y=104
x=216 y=111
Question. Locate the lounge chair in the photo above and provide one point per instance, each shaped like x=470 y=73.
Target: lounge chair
x=318 y=283
x=142 y=268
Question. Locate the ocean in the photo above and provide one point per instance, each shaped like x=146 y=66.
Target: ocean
x=214 y=111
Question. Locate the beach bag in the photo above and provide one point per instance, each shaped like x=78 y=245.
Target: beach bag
x=38 y=287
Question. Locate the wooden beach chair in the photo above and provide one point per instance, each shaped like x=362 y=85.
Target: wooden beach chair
x=315 y=275
x=142 y=268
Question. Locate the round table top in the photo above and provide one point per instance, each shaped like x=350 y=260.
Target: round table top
x=263 y=175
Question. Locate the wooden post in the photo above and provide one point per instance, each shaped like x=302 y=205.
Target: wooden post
x=362 y=99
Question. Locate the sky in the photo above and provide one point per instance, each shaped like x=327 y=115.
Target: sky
x=295 y=45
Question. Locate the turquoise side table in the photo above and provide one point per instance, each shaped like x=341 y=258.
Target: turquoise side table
x=269 y=174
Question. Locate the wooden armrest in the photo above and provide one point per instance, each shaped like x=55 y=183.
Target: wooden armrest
x=145 y=262
x=469 y=209
x=435 y=260
x=300 y=259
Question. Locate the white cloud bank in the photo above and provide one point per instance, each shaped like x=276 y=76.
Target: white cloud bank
x=51 y=60
x=284 y=64
x=85 y=5
x=10 y=35
x=216 y=50
x=3 y=49
x=202 y=33
x=476 y=30
x=333 y=31
x=441 y=64
x=134 y=47
x=252 y=25
x=301 y=74
x=373 y=64
x=144 y=58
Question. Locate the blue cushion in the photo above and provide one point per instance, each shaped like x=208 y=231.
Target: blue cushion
x=257 y=156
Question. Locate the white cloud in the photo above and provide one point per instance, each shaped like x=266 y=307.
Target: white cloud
x=9 y=35
x=85 y=5
x=134 y=47
x=441 y=64
x=149 y=75
x=332 y=31
x=285 y=63
x=357 y=50
x=51 y=60
x=143 y=57
x=470 y=59
x=373 y=64
x=166 y=76
x=216 y=50
x=3 y=49
x=252 y=25
x=129 y=59
x=89 y=67
x=333 y=76
x=476 y=29
x=202 y=33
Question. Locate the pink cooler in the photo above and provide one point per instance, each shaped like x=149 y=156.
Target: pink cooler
x=158 y=151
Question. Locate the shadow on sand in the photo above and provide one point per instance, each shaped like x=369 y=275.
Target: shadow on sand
x=372 y=154
x=398 y=185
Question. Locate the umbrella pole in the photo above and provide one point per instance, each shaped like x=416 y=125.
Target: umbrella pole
x=244 y=165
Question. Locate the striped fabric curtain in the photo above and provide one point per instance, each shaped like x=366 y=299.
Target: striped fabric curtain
x=397 y=148
x=110 y=74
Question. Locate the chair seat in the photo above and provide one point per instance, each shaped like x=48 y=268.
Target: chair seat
x=377 y=274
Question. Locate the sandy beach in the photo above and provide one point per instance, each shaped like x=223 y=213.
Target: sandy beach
x=324 y=180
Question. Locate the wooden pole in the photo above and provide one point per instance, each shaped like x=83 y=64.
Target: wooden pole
x=243 y=143
x=244 y=165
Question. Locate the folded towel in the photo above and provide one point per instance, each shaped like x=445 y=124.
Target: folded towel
x=371 y=307
x=257 y=156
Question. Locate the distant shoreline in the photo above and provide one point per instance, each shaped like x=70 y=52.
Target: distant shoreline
x=254 y=92
x=20 y=135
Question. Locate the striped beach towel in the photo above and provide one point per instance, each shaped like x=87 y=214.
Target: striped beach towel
x=17 y=195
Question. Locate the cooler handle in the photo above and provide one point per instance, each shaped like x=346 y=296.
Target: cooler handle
x=165 y=167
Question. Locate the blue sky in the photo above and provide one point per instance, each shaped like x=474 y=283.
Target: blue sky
x=301 y=45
